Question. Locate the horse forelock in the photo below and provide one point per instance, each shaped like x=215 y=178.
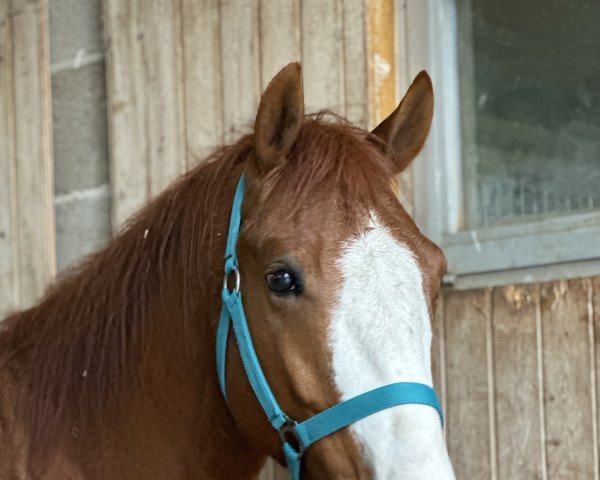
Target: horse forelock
x=329 y=158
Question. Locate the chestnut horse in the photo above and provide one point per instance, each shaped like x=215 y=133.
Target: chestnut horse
x=112 y=374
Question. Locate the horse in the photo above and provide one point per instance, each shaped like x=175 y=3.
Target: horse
x=112 y=375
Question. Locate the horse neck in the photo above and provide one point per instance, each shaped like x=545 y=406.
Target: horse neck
x=166 y=420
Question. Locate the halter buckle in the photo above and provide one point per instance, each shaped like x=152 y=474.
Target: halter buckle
x=238 y=280
x=288 y=434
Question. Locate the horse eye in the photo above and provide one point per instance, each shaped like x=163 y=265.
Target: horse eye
x=281 y=281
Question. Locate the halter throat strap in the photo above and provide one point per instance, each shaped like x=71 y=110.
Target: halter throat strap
x=296 y=437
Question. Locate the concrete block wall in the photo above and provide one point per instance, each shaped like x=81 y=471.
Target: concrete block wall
x=81 y=179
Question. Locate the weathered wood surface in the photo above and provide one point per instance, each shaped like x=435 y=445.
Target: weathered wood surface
x=27 y=246
x=382 y=67
x=595 y=345
x=8 y=246
x=520 y=379
x=203 y=106
x=240 y=66
x=466 y=318
x=566 y=325
x=145 y=98
x=322 y=55
x=355 y=62
x=279 y=31
x=517 y=381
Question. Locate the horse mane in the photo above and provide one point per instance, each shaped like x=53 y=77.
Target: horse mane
x=73 y=354
x=76 y=354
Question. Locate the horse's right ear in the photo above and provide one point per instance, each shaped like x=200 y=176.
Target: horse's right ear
x=406 y=129
x=279 y=117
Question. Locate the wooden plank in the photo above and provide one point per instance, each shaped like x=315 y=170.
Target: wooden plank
x=126 y=102
x=32 y=149
x=383 y=97
x=164 y=92
x=144 y=100
x=202 y=77
x=567 y=392
x=240 y=66
x=466 y=316
x=279 y=37
x=9 y=272
x=322 y=55
x=516 y=382
x=595 y=308
x=355 y=62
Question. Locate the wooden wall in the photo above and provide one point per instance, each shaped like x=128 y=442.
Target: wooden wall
x=186 y=76
x=516 y=367
x=27 y=252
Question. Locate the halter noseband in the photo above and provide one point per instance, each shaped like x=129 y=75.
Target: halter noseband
x=296 y=437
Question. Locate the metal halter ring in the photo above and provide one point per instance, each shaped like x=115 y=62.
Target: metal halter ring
x=288 y=434
x=237 y=280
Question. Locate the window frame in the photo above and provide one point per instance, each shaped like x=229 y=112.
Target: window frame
x=559 y=247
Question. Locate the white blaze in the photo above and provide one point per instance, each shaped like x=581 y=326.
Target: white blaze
x=381 y=334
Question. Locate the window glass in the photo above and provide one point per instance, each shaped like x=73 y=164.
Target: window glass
x=530 y=100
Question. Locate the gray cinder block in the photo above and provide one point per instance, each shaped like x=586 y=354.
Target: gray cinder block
x=75 y=26
x=82 y=224
x=80 y=129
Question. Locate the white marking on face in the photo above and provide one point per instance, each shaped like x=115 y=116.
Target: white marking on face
x=381 y=334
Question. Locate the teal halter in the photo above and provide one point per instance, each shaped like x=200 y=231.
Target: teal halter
x=296 y=437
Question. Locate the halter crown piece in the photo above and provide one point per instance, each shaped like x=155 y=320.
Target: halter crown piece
x=296 y=437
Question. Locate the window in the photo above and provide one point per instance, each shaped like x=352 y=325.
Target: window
x=516 y=139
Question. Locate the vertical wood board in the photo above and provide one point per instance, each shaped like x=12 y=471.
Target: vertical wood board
x=164 y=92
x=240 y=66
x=201 y=42
x=9 y=246
x=466 y=315
x=144 y=101
x=517 y=382
x=279 y=25
x=567 y=392
x=27 y=240
x=355 y=63
x=126 y=109
x=382 y=67
x=594 y=307
x=322 y=55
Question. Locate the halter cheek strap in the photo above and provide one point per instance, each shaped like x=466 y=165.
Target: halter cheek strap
x=295 y=437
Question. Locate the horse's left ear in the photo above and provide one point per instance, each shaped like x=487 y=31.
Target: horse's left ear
x=406 y=129
x=279 y=117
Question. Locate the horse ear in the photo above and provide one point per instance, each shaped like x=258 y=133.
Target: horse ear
x=279 y=117
x=406 y=129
